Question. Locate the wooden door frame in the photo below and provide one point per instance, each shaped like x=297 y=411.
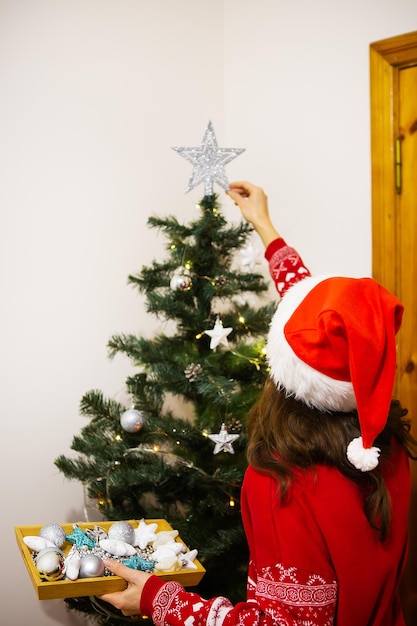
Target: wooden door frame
x=387 y=57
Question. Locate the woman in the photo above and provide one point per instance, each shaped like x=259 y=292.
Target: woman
x=325 y=498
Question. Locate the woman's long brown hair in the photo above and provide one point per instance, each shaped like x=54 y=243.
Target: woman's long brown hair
x=285 y=434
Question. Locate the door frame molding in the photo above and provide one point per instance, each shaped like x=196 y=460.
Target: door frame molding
x=387 y=58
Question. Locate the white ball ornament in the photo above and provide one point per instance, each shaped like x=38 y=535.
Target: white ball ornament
x=132 y=420
x=50 y=563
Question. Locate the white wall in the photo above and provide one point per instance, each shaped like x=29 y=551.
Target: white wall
x=297 y=97
x=93 y=95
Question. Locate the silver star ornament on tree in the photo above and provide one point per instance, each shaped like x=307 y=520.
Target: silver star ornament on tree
x=208 y=161
x=223 y=441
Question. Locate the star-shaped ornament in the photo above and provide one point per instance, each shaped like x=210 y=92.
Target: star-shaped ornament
x=208 y=161
x=250 y=257
x=145 y=533
x=223 y=441
x=165 y=536
x=136 y=562
x=218 y=334
x=187 y=559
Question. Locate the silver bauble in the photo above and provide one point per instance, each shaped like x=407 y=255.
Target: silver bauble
x=132 y=421
x=181 y=280
x=91 y=566
x=50 y=563
x=54 y=533
x=122 y=531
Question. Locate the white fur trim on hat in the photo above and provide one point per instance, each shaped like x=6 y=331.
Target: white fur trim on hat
x=364 y=459
x=292 y=374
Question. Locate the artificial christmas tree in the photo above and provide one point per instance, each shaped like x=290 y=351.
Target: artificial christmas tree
x=156 y=459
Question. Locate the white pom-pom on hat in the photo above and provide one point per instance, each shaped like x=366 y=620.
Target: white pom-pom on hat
x=332 y=346
x=364 y=459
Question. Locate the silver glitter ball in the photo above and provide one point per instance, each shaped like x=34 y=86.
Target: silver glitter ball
x=122 y=531
x=53 y=532
x=50 y=563
x=91 y=566
x=132 y=421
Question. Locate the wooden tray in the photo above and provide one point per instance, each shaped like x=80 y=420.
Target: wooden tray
x=94 y=586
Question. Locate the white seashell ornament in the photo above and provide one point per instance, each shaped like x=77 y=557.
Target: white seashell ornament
x=72 y=564
x=36 y=543
x=117 y=547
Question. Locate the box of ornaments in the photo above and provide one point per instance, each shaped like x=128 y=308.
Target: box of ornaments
x=66 y=560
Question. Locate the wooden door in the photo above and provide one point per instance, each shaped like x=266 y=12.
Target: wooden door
x=393 y=66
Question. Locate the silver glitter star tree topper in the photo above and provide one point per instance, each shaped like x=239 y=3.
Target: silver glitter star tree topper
x=208 y=161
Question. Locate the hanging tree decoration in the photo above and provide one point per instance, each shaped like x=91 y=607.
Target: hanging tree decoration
x=193 y=371
x=208 y=161
x=218 y=334
x=181 y=279
x=234 y=426
x=219 y=281
x=250 y=257
x=132 y=420
x=223 y=441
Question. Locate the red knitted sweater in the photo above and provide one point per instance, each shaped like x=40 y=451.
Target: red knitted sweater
x=314 y=561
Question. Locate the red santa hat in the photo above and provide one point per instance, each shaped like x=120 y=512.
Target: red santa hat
x=332 y=345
